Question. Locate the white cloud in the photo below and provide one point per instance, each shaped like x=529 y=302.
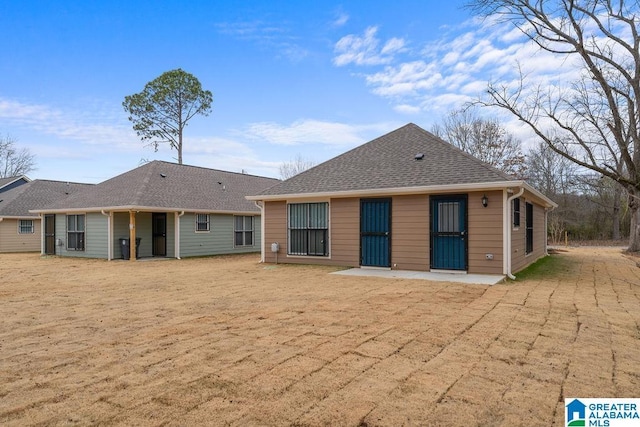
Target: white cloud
x=228 y=154
x=393 y=45
x=275 y=37
x=407 y=79
x=407 y=109
x=340 y=19
x=453 y=70
x=365 y=50
x=86 y=127
x=313 y=132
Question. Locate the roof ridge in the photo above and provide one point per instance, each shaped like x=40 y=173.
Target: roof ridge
x=212 y=169
x=61 y=181
x=353 y=149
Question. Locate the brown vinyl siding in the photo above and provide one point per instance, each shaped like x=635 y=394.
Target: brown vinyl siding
x=344 y=234
x=410 y=232
x=344 y=229
x=275 y=230
x=12 y=241
x=485 y=235
x=520 y=259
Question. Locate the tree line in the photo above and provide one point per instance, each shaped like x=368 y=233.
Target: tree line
x=591 y=206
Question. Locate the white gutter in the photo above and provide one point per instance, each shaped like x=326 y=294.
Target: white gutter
x=109 y=234
x=507 y=227
x=429 y=189
x=176 y=230
x=262 y=240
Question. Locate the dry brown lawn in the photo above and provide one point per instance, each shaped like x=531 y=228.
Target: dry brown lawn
x=229 y=341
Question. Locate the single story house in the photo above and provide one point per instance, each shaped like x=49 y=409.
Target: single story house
x=20 y=230
x=169 y=210
x=406 y=200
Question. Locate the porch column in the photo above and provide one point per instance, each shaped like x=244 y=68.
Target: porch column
x=132 y=236
x=42 y=235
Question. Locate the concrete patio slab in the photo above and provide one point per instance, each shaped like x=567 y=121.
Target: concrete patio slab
x=476 y=279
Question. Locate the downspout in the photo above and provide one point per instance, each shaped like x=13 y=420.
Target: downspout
x=176 y=238
x=261 y=207
x=507 y=222
x=109 y=235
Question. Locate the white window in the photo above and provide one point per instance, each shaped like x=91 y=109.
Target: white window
x=25 y=226
x=243 y=230
x=203 y=223
x=75 y=232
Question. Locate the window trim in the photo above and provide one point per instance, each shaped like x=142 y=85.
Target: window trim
x=326 y=230
x=207 y=223
x=245 y=231
x=75 y=231
x=21 y=229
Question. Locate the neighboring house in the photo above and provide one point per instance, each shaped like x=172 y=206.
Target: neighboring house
x=12 y=182
x=173 y=210
x=20 y=230
x=407 y=200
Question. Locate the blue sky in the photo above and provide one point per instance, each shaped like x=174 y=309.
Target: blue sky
x=288 y=78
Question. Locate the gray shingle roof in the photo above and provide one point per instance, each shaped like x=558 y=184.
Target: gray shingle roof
x=389 y=162
x=174 y=187
x=36 y=194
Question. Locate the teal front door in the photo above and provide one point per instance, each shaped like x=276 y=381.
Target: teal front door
x=375 y=232
x=449 y=232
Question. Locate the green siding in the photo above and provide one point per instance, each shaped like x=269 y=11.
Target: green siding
x=171 y=233
x=144 y=232
x=219 y=240
x=95 y=236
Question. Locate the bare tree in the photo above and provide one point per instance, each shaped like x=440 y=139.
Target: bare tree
x=484 y=139
x=550 y=172
x=594 y=120
x=606 y=195
x=295 y=166
x=14 y=161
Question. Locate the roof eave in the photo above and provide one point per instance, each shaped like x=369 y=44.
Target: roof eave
x=430 y=189
x=140 y=209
